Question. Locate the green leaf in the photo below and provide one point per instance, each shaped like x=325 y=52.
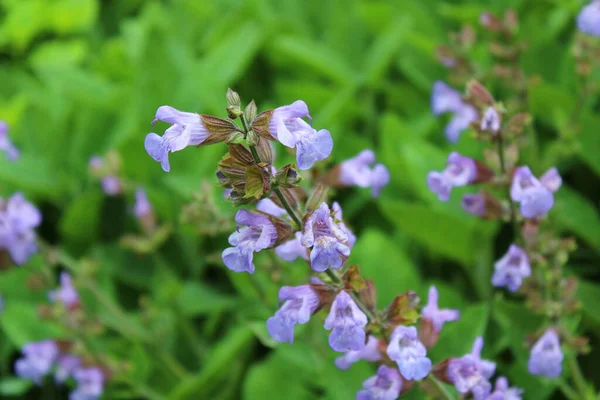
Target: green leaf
x=14 y=386
x=589 y=295
x=574 y=213
x=21 y=324
x=395 y=275
x=197 y=299
x=81 y=220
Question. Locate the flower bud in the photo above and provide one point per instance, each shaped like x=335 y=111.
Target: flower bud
x=250 y=112
x=253 y=138
x=233 y=98
x=287 y=177
x=403 y=309
x=479 y=95
x=234 y=111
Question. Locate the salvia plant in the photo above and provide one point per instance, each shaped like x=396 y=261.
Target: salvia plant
x=290 y=212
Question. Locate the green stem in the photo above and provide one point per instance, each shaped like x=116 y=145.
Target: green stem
x=578 y=378
x=567 y=390
x=503 y=169
x=440 y=387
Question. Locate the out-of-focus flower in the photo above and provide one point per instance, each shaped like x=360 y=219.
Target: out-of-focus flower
x=187 y=129
x=546 y=356
x=535 y=199
x=474 y=204
x=491 y=120
x=292 y=249
x=511 y=269
x=287 y=126
x=445 y=99
x=588 y=20
x=503 y=392
x=369 y=353
x=107 y=172
x=6 y=145
x=432 y=313
x=66 y=294
x=460 y=171
x=18 y=218
x=142 y=206
x=38 y=358
x=347 y=323
x=328 y=240
x=409 y=353
x=299 y=304
x=258 y=233
x=386 y=385
x=90 y=384
x=357 y=171
x=65 y=366
x=471 y=374
x=551 y=179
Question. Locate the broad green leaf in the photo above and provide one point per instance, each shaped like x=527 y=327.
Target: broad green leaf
x=575 y=214
x=197 y=299
x=22 y=324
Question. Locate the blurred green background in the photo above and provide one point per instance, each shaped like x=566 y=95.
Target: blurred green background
x=81 y=77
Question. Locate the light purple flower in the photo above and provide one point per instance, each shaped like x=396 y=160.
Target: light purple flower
x=38 y=358
x=546 y=356
x=386 y=385
x=357 y=171
x=437 y=317
x=17 y=221
x=369 y=353
x=535 y=199
x=551 y=180
x=258 y=234
x=471 y=374
x=291 y=130
x=90 y=384
x=6 y=146
x=348 y=323
x=460 y=171
x=511 y=269
x=66 y=294
x=111 y=185
x=445 y=99
x=268 y=206
x=491 y=120
x=96 y=163
x=474 y=204
x=503 y=392
x=409 y=353
x=186 y=129
x=292 y=249
x=338 y=215
x=300 y=303
x=142 y=206
x=588 y=20
x=65 y=366
x=327 y=239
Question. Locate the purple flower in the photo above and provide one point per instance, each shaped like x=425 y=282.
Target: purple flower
x=386 y=385
x=268 y=206
x=38 y=358
x=546 y=356
x=369 y=353
x=6 y=145
x=90 y=384
x=474 y=204
x=357 y=171
x=348 y=323
x=511 y=269
x=588 y=20
x=258 y=234
x=186 y=129
x=111 y=185
x=292 y=249
x=17 y=221
x=503 y=392
x=287 y=126
x=491 y=120
x=551 y=180
x=66 y=294
x=96 y=163
x=409 y=353
x=535 y=199
x=471 y=374
x=142 y=206
x=299 y=304
x=327 y=239
x=445 y=99
x=337 y=214
x=65 y=366
x=437 y=317
x=460 y=171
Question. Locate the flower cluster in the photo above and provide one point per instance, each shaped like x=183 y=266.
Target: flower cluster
x=18 y=218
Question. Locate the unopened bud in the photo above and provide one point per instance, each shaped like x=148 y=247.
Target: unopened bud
x=287 y=177
x=235 y=138
x=479 y=95
x=234 y=111
x=250 y=112
x=253 y=138
x=233 y=98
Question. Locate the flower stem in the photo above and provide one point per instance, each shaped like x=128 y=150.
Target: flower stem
x=444 y=393
x=578 y=378
x=503 y=169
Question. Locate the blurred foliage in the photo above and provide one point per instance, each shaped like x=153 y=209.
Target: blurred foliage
x=80 y=77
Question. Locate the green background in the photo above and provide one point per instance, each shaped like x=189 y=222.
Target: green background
x=80 y=77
